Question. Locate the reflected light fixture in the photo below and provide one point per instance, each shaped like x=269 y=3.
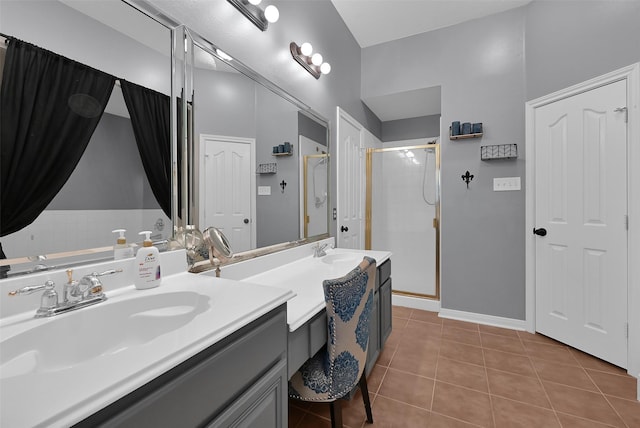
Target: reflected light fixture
x=253 y=13
x=312 y=62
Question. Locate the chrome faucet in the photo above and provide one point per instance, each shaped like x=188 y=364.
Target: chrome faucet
x=76 y=294
x=319 y=250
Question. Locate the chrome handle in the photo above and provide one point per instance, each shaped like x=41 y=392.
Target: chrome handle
x=49 y=285
x=106 y=272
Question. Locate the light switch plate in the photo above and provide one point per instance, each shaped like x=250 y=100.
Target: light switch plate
x=264 y=190
x=505 y=184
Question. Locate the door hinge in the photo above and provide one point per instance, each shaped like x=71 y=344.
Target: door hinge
x=626 y=113
x=626 y=222
x=626 y=330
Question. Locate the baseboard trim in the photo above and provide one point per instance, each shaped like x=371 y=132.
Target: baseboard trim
x=491 y=320
x=416 y=303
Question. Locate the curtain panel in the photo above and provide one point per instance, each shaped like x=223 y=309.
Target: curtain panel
x=49 y=108
x=150 y=118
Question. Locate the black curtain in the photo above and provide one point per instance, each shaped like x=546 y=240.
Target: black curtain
x=49 y=108
x=150 y=118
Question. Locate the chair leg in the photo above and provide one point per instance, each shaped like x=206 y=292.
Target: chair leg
x=365 y=396
x=336 y=414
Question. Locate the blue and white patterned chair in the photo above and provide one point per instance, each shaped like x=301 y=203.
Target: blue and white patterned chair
x=334 y=371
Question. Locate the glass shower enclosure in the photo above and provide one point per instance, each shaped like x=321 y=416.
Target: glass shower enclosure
x=403 y=213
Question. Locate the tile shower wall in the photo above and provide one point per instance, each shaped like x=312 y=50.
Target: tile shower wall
x=58 y=230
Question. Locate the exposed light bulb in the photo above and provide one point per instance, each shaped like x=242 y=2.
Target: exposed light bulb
x=271 y=13
x=255 y=2
x=325 y=68
x=306 y=49
x=316 y=59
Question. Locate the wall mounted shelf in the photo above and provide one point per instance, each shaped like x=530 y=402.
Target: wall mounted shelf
x=283 y=154
x=267 y=168
x=499 y=151
x=464 y=136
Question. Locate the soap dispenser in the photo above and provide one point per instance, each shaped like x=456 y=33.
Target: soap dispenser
x=121 y=250
x=147 y=267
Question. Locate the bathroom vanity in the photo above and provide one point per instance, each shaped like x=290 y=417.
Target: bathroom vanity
x=196 y=351
x=302 y=273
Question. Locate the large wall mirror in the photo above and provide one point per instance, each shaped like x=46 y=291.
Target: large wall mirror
x=254 y=160
x=260 y=157
x=108 y=188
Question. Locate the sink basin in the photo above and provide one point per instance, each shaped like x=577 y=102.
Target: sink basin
x=60 y=342
x=342 y=258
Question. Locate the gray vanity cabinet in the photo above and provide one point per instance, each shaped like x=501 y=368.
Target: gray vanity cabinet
x=380 y=326
x=240 y=381
x=385 y=302
x=374 y=333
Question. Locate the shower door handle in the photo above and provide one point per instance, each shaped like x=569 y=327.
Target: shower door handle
x=344 y=229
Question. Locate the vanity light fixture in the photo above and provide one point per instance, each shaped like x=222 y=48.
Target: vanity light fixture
x=260 y=18
x=312 y=62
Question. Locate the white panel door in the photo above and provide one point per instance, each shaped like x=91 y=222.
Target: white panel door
x=350 y=182
x=581 y=203
x=226 y=190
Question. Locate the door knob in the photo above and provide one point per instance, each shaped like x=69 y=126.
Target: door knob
x=246 y=221
x=540 y=232
x=344 y=229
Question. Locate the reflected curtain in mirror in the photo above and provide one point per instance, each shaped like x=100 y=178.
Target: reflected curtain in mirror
x=150 y=118
x=49 y=108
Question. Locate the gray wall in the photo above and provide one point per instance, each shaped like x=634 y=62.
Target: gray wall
x=110 y=173
x=480 y=67
x=412 y=128
x=488 y=69
x=311 y=129
x=570 y=42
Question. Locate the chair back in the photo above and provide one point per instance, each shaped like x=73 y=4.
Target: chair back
x=349 y=303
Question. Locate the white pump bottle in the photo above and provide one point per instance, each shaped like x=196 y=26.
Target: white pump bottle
x=147 y=266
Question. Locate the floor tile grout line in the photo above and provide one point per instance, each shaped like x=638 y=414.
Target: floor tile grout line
x=606 y=398
x=456 y=419
x=587 y=419
x=435 y=373
x=546 y=394
x=486 y=377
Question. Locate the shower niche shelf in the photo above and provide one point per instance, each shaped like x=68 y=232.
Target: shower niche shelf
x=499 y=151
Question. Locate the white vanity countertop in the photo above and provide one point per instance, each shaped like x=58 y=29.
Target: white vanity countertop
x=62 y=396
x=304 y=277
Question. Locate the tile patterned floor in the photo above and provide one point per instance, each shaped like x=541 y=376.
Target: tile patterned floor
x=437 y=372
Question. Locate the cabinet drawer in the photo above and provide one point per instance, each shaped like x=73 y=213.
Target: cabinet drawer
x=306 y=341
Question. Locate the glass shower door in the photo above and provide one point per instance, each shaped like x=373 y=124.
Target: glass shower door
x=403 y=214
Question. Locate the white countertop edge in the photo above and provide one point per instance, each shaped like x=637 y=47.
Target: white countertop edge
x=104 y=398
x=300 y=321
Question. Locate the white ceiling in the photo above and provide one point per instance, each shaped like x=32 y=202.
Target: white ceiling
x=378 y=21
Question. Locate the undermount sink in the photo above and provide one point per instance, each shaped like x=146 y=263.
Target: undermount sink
x=61 y=342
x=342 y=258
